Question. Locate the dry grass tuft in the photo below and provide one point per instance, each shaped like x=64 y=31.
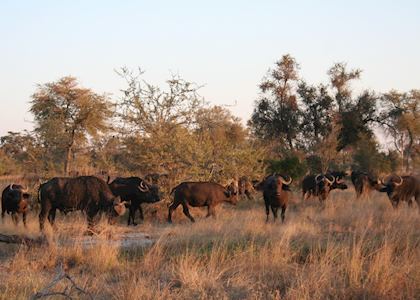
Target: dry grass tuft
x=347 y=249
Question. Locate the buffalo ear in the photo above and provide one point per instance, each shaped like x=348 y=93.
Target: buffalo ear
x=117 y=200
x=383 y=190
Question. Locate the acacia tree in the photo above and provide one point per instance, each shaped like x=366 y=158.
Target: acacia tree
x=226 y=150
x=146 y=108
x=67 y=115
x=276 y=113
x=156 y=123
x=401 y=117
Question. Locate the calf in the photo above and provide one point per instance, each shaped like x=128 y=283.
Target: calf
x=199 y=194
x=14 y=201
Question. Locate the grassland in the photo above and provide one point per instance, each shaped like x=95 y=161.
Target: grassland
x=349 y=249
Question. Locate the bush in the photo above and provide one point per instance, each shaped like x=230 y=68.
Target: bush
x=288 y=166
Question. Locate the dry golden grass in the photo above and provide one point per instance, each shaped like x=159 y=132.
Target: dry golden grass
x=347 y=250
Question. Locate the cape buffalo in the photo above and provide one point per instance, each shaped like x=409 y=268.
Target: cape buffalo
x=199 y=194
x=364 y=183
x=402 y=188
x=276 y=195
x=14 y=201
x=136 y=191
x=320 y=185
x=86 y=193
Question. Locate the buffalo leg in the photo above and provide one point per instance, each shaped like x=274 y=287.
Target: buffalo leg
x=172 y=207
x=51 y=216
x=267 y=211
x=274 y=210
x=211 y=211
x=283 y=213
x=410 y=203
x=141 y=213
x=3 y=210
x=187 y=211
x=15 y=218
x=132 y=215
x=24 y=218
x=92 y=218
x=45 y=209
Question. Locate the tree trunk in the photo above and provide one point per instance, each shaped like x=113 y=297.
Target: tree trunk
x=68 y=153
x=67 y=161
x=408 y=150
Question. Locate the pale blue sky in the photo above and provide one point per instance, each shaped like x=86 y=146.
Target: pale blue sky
x=226 y=45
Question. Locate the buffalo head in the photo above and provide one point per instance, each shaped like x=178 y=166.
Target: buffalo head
x=390 y=186
x=232 y=192
x=324 y=185
x=149 y=191
x=19 y=197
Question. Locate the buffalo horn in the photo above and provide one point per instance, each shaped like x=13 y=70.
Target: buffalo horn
x=401 y=181
x=317 y=178
x=286 y=182
x=143 y=187
x=329 y=181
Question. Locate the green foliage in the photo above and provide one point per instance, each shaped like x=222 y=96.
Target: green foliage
x=368 y=158
x=276 y=113
x=172 y=130
x=317 y=114
x=314 y=164
x=401 y=117
x=291 y=166
x=355 y=120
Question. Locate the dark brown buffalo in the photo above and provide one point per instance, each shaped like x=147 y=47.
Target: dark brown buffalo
x=364 y=183
x=276 y=194
x=135 y=191
x=199 y=194
x=14 y=201
x=320 y=185
x=86 y=193
x=402 y=188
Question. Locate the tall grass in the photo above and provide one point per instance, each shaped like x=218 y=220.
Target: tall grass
x=347 y=249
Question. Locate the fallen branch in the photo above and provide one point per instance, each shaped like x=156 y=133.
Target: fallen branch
x=17 y=239
x=66 y=293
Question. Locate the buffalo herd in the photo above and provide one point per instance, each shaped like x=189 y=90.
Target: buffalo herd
x=94 y=196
